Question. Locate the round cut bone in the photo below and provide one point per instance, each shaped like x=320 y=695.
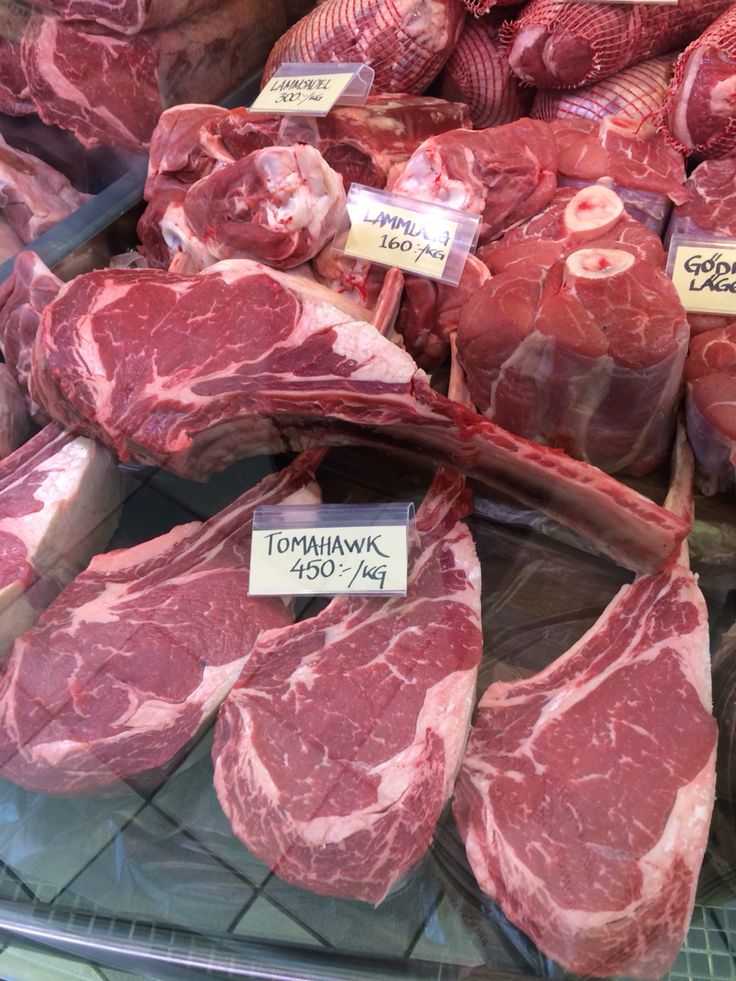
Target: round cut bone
x=598 y=263
x=593 y=211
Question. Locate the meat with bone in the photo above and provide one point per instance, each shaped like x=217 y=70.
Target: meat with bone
x=124 y=16
x=564 y=44
x=698 y=112
x=632 y=159
x=635 y=93
x=15 y=423
x=710 y=374
x=586 y=356
x=593 y=217
x=199 y=59
x=362 y=143
x=406 y=42
x=478 y=74
x=133 y=658
x=290 y=370
x=280 y=205
x=504 y=174
x=356 y=279
x=430 y=312
x=15 y=99
x=339 y=746
x=33 y=195
x=585 y=794
x=60 y=496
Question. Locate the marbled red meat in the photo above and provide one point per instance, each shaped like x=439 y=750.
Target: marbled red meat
x=586 y=356
x=290 y=370
x=124 y=16
x=339 y=746
x=710 y=374
x=15 y=99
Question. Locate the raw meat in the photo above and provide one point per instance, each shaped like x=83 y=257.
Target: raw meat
x=132 y=660
x=60 y=497
x=355 y=279
x=23 y=297
x=363 y=143
x=15 y=99
x=430 y=312
x=479 y=7
x=290 y=370
x=478 y=74
x=698 y=112
x=110 y=90
x=15 y=423
x=710 y=374
x=280 y=205
x=636 y=93
x=406 y=42
x=632 y=159
x=339 y=746
x=593 y=217
x=124 y=16
x=10 y=243
x=585 y=794
x=564 y=44
x=585 y=355
x=504 y=174
x=710 y=209
x=33 y=195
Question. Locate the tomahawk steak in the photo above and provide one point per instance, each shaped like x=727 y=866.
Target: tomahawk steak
x=290 y=370
x=585 y=794
x=123 y=671
x=338 y=747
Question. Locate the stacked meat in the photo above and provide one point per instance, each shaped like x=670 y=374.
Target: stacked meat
x=585 y=792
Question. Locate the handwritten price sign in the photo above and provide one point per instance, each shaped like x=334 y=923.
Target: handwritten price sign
x=322 y=558
x=314 y=89
x=393 y=230
x=704 y=275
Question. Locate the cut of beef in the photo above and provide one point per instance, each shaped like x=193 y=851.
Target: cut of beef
x=110 y=90
x=504 y=174
x=23 y=297
x=631 y=158
x=710 y=374
x=585 y=794
x=593 y=217
x=406 y=42
x=33 y=195
x=478 y=74
x=290 y=370
x=698 y=112
x=635 y=93
x=133 y=658
x=15 y=99
x=124 y=16
x=561 y=44
x=60 y=496
x=585 y=355
x=15 y=423
x=339 y=746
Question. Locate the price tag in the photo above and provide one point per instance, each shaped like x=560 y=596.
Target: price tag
x=330 y=549
x=419 y=238
x=704 y=274
x=313 y=89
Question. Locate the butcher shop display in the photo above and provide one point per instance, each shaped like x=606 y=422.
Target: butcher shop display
x=514 y=768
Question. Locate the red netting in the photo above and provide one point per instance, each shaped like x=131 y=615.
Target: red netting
x=559 y=44
x=699 y=112
x=480 y=7
x=636 y=93
x=404 y=41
